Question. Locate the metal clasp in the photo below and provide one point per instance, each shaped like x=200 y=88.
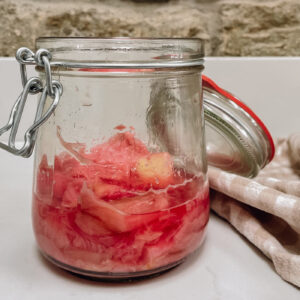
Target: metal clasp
x=33 y=85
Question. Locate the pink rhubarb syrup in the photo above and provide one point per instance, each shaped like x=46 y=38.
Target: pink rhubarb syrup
x=118 y=208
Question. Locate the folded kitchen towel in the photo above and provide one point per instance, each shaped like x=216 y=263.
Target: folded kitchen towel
x=266 y=209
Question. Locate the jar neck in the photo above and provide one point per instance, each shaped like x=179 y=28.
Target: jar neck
x=123 y=53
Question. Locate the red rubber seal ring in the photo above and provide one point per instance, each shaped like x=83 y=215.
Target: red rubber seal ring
x=207 y=82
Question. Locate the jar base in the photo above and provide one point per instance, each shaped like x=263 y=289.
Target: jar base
x=113 y=277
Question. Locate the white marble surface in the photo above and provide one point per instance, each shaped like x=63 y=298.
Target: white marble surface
x=227 y=266
x=269 y=85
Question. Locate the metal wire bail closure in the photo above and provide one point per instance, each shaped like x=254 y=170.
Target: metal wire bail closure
x=33 y=85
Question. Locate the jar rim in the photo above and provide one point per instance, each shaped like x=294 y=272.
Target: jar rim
x=118 y=38
x=123 y=52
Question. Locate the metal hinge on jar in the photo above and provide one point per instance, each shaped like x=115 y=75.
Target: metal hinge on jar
x=33 y=85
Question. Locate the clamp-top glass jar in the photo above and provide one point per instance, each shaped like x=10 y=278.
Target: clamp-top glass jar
x=120 y=186
x=120 y=191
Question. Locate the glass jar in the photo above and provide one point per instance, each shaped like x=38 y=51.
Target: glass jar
x=120 y=191
x=120 y=178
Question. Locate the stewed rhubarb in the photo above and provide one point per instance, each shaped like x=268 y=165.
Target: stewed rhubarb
x=118 y=207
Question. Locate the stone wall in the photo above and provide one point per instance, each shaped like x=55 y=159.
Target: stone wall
x=230 y=27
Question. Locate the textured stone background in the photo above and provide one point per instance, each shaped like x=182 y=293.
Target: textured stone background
x=230 y=27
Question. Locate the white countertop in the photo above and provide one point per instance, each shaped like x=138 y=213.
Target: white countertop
x=226 y=267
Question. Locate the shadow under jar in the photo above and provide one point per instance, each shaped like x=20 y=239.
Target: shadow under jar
x=120 y=187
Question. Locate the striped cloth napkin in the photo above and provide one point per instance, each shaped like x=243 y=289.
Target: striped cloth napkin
x=266 y=209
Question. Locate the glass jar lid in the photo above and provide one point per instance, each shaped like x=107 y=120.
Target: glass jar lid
x=237 y=140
